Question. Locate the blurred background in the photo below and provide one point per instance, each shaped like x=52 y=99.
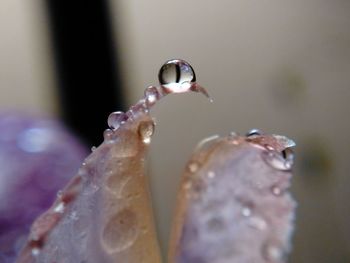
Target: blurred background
x=280 y=66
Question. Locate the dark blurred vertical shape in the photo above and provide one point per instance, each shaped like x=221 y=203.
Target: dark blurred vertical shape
x=87 y=71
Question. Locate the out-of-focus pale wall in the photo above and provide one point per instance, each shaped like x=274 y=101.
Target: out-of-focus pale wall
x=281 y=66
x=26 y=76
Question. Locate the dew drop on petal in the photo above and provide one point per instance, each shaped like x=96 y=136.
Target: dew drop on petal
x=272 y=253
x=59 y=208
x=193 y=167
x=276 y=160
x=121 y=231
x=276 y=190
x=254 y=132
x=146 y=130
x=174 y=73
x=115 y=119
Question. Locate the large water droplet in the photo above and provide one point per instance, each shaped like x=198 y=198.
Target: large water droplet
x=152 y=95
x=115 y=119
x=121 y=231
x=276 y=160
x=175 y=75
x=146 y=130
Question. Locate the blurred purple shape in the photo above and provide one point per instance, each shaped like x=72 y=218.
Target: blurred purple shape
x=37 y=158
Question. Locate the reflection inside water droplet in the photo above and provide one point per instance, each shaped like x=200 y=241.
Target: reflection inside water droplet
x=152 y=95
x=174 y=73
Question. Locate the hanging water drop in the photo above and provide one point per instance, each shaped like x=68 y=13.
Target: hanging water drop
x=178 y=76
x=146 y=130
x=174 y=73
x=115 y=119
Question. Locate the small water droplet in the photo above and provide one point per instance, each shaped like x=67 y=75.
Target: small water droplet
x=59 y=208
x=108 y=134
x=288 y=155
x=152 y=95
x=146 y=130
x=276 y=190
x=276 y=160
x=115 y=119
x=254 y=132
x=257 y=223
x=93 y=148
x=246 y=211
x=211 y=174
x=193 y=167
x=174 y=73
x=35 y=251
x=272 y=253
x=121 y=231
x=285 y=141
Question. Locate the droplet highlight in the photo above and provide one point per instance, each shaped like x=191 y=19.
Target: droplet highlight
x=193 y=167
x=146 y=130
